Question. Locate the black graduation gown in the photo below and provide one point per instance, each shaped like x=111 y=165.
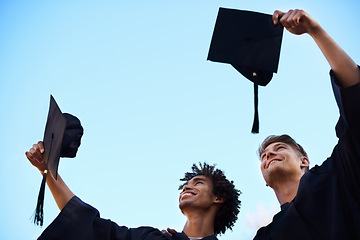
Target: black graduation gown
x=80 y=221
x=327 y=205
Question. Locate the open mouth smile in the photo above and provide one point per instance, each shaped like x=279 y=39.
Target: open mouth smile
x=186 y=194
x=272 y=161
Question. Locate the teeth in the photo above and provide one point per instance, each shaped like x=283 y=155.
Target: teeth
x=187 y=194
x=273 y=162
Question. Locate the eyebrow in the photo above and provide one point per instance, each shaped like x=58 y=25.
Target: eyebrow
x=280 y=144
x=195 y=179
x=275 y=145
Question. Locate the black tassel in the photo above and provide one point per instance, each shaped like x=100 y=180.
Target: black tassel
x=39 y=213
x=255 y=127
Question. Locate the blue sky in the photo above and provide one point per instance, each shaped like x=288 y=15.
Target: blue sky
x=136 y=74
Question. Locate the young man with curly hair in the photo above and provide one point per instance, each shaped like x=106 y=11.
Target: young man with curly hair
x=218 y=187
x=323 y=202
x=208 y=200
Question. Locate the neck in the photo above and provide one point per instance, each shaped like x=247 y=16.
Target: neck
x=286 y=191
x=199 y=224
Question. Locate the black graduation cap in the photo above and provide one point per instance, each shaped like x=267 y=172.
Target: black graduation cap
x=53 y=136
x=250 y=42
x=62 y=138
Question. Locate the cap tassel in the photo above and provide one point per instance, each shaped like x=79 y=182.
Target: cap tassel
x=255 y=127
x=39 y=213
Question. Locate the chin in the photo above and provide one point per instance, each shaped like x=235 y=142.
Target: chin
x=183 y=207
x=185 y=204
x=279 y=174
x=272 y=173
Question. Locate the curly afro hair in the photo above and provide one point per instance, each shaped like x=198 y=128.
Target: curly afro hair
x=223 y=188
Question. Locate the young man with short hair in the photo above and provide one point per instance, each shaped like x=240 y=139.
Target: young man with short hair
x=323 y=202
x=208 y=200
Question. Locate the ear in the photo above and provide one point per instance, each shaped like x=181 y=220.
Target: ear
x=304 y=162
x=219 y=200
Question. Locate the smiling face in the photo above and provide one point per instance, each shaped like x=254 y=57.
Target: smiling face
x=281 y=162
x=197 y=193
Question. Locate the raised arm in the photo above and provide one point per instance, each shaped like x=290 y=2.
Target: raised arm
x=60 y=191
x=299 y=22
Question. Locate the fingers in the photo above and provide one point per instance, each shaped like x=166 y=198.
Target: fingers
x=171 y=231
x=36 y=156
x=36 y=153
x=33 y=160
x=292 y=18
x=41 y=146
x=30 y=157
x=276 y=16
x=165 y=233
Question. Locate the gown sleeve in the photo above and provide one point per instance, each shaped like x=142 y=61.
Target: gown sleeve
x=348 y=101
x=346 y=154
x=78 y=220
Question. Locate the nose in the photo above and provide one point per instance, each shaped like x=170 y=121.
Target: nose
x=186 y=187
x=269 y=154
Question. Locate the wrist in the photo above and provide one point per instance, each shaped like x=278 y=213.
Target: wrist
x=42 y=171
x=316 y=31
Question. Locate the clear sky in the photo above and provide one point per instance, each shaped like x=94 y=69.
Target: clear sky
x=135 y=73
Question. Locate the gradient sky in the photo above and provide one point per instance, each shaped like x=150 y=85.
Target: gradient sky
x=135 y=73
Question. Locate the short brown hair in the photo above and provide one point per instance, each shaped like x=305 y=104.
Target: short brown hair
x=284 y=139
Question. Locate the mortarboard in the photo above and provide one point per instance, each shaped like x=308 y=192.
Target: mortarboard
x=53 y=136
x=62 y=137
x=251 y=43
